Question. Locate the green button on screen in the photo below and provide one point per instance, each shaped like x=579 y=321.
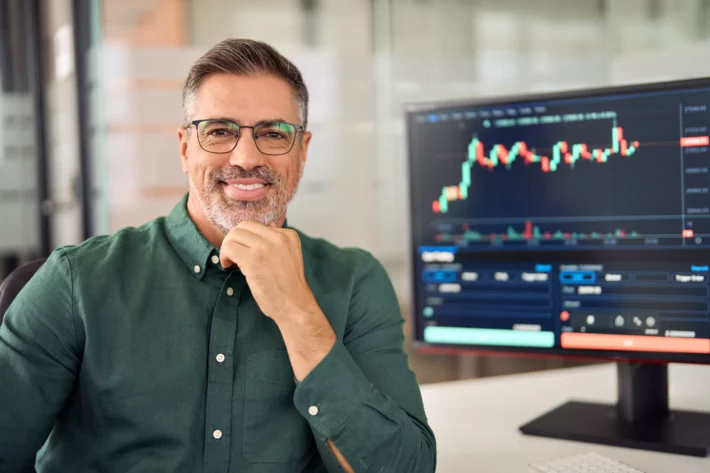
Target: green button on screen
x=486 y=336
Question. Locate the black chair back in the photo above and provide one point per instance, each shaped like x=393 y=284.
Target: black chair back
x=13 y=284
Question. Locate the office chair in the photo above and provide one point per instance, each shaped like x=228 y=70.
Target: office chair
x=14 y=283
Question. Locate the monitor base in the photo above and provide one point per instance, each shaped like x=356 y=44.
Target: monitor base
x=681 y=432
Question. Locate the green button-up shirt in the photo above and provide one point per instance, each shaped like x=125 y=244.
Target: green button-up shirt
x=138 y=352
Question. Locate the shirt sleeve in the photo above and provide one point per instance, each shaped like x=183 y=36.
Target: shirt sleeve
x=39 y=360
x=363 y=396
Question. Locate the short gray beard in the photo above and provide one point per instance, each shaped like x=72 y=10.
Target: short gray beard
x=226 y=214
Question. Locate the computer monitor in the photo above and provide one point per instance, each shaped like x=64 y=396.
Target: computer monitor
x=571 y=224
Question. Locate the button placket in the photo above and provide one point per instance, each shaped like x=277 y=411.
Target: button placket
x=220 y=382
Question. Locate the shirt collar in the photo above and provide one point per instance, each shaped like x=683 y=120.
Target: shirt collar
x=190 y=245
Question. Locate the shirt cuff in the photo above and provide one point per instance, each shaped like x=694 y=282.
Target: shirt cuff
x=332 y=391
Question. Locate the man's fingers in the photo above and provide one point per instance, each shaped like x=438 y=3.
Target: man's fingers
x=232 y=252
x=258 y=240
x=244 y=236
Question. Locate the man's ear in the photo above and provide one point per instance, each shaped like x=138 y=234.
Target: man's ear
x=183 y=137
x=303 y=153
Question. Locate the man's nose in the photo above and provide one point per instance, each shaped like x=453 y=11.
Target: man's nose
x=246 y=155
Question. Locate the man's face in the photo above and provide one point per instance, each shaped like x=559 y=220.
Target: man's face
x=244 y=184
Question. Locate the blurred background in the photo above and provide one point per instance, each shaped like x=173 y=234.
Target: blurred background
x=91 y=97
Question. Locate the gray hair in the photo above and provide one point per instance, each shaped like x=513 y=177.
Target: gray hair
x=243 y=57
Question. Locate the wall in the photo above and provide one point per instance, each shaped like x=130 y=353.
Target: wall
x=19 y=194
x=138 y=69
x=19 y=202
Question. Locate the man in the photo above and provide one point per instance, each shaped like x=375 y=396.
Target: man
x=216 y=339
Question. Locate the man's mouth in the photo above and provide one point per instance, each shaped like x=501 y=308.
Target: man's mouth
x=246 y=189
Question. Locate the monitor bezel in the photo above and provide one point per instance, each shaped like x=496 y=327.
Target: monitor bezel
x=412 y=108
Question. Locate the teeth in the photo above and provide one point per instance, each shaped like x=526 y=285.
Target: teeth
x=249 y=187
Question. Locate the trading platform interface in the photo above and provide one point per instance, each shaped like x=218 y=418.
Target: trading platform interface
x=580 y=223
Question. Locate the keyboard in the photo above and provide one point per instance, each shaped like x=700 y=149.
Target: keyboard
x=583 y=463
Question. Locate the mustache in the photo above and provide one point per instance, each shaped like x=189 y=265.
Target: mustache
x=263 y=173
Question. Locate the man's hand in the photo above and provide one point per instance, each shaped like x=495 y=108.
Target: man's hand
x=271 y=259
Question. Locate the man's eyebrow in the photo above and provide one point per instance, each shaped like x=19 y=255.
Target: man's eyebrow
x=272 y=120
x=260 y=122
x=224 y=119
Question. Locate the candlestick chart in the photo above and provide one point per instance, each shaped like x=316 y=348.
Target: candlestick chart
x=613 y=178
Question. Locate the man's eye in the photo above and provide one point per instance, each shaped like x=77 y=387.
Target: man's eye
x=220 y=132
x=272 y=135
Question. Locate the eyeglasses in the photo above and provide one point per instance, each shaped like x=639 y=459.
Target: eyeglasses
x=222 y=136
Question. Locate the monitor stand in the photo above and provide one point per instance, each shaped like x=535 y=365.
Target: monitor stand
x=640 y=419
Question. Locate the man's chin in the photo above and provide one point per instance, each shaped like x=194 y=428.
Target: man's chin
x=234 y=218
x=227 y=212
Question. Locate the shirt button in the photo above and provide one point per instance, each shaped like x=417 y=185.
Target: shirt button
x=220 y=358
x=230 y=291
x=215 y=259
x=197 y=268
x=217 y=434
x=313 y=410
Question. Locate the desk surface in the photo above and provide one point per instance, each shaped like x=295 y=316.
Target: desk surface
x=476 y=421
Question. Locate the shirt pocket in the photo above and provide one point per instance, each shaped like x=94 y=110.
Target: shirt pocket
x=274 y=431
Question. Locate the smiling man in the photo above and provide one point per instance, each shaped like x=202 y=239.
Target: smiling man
x=216 y=339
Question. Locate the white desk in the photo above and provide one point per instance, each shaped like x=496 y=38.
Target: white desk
x=476 y=422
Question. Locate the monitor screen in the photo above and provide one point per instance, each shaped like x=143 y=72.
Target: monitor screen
x=568 y=224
